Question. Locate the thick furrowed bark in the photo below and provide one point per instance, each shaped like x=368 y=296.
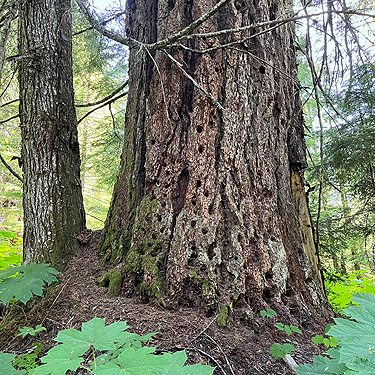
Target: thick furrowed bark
x=204 y=208
x=52 y=198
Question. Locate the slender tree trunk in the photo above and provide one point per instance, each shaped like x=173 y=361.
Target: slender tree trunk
x=209 y=205
x=52 y=198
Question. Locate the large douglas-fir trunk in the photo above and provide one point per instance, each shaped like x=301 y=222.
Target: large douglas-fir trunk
x=52 y=197
x=209 y=206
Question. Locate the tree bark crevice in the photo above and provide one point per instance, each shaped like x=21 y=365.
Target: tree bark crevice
x=218 y=223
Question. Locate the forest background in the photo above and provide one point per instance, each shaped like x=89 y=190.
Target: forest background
x=337 y=76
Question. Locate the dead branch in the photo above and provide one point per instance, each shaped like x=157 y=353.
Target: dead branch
x=215 y=103
x=10 y=102
x=101 y=29
x=101 y=106
x=104 y=99
x=10 y=169
x=10 y=118
x=101 y=23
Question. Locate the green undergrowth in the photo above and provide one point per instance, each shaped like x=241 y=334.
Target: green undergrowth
x=353 y=351
x=101 y=349
x=10 y=249
x=340 y=289
x=96 y=349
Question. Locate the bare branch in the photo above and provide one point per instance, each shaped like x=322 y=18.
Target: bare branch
x=10 y=169
x=216 y=104
x=99 y=27
x=101 y=106
x=10 y=102
x=179 y=35
x=106 y=98
x=10 y=118
x=161 y=83
x=101 y=23
x=276 y=22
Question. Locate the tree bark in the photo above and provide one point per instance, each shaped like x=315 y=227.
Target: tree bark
x=209 y=206
x=52 y=197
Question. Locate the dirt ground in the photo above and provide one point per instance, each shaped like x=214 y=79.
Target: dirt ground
x=240 y=349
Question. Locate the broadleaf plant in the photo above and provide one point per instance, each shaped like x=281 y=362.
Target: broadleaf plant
x=6 y=367
x=355 y=352
x=24 y=331
x=120 y=353
x=22 y=282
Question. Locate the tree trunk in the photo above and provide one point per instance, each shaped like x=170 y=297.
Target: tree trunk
x=52 y=198
x=209 y=206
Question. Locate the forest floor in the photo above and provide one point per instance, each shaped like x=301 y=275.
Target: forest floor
x=240 y=349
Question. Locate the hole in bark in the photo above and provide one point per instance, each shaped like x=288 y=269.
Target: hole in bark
x=206 y=194
x=171 y=4
x=211 y=209
x=288 y=292
x=163 y=204
x=204 y=230
x=193 y=202
x=210 y=251
x=203 y=268
x=267 y=293
x=269 y=275
x=217 y=69
x=239 y=237
x=262 y=70
x=193 y=255
x=245 y=267
x=156 y=251
x=199 y=129
x=193 y=223
x=159 y=218
x=200 y=149
x=199 y=183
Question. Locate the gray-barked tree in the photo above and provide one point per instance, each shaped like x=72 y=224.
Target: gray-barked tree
x=52 y=196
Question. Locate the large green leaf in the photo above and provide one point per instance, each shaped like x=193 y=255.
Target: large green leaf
x=322 y=366
x=361 y=367
x=365 y=312
x=59 y=360
x=177 y=367
x=6 y=367
x=95 y=333
x=29 y=281
x=357 y=338
x=135 y=362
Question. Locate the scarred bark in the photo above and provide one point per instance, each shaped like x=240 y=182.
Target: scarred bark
x=209 y=206
x=52 y=198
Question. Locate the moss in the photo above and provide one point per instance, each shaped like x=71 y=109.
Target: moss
x=146 y=253
x=222 y=317
x=207 y=286
x=112 y=280
x=209 y=292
